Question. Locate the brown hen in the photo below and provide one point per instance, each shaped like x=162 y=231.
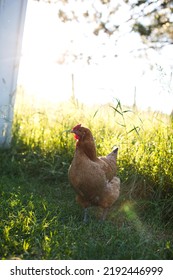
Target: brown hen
x=93 y=178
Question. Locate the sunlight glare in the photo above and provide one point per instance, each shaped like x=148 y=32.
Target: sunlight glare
x=44 y=75
x=131 y=215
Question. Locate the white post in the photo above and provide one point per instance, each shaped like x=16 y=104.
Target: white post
x=12 y=17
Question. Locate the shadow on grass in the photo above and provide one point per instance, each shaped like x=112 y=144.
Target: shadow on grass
x=41 y=220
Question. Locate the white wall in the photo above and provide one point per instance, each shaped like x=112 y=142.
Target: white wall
x=12 y=17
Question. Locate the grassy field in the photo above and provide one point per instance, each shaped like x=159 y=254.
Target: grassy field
x=39 y=218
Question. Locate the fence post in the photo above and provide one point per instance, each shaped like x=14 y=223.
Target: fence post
x=12 y=18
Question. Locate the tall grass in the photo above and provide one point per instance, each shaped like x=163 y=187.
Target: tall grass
x=45 y=146
x=39 y=217
x=145 y=140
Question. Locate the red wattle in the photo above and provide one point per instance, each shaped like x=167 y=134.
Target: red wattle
x=76 y=137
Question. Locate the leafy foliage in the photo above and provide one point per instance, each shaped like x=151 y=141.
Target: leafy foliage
x=151 y=19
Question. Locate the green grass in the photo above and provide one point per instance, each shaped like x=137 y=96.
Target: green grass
x=39 y=218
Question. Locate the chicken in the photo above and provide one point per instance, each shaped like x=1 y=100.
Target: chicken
x=94 y=179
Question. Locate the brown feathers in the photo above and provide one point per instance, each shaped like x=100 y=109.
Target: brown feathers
x=94 y=179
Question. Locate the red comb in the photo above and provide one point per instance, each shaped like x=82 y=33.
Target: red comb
x=77 y=127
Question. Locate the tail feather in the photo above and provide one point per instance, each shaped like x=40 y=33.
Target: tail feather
x=114 y=153
x=115 y=150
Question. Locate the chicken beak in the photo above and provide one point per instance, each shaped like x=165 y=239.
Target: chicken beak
x=76 y=136
x=74 y=131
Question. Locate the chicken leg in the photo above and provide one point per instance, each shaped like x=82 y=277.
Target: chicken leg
x=85 y=215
